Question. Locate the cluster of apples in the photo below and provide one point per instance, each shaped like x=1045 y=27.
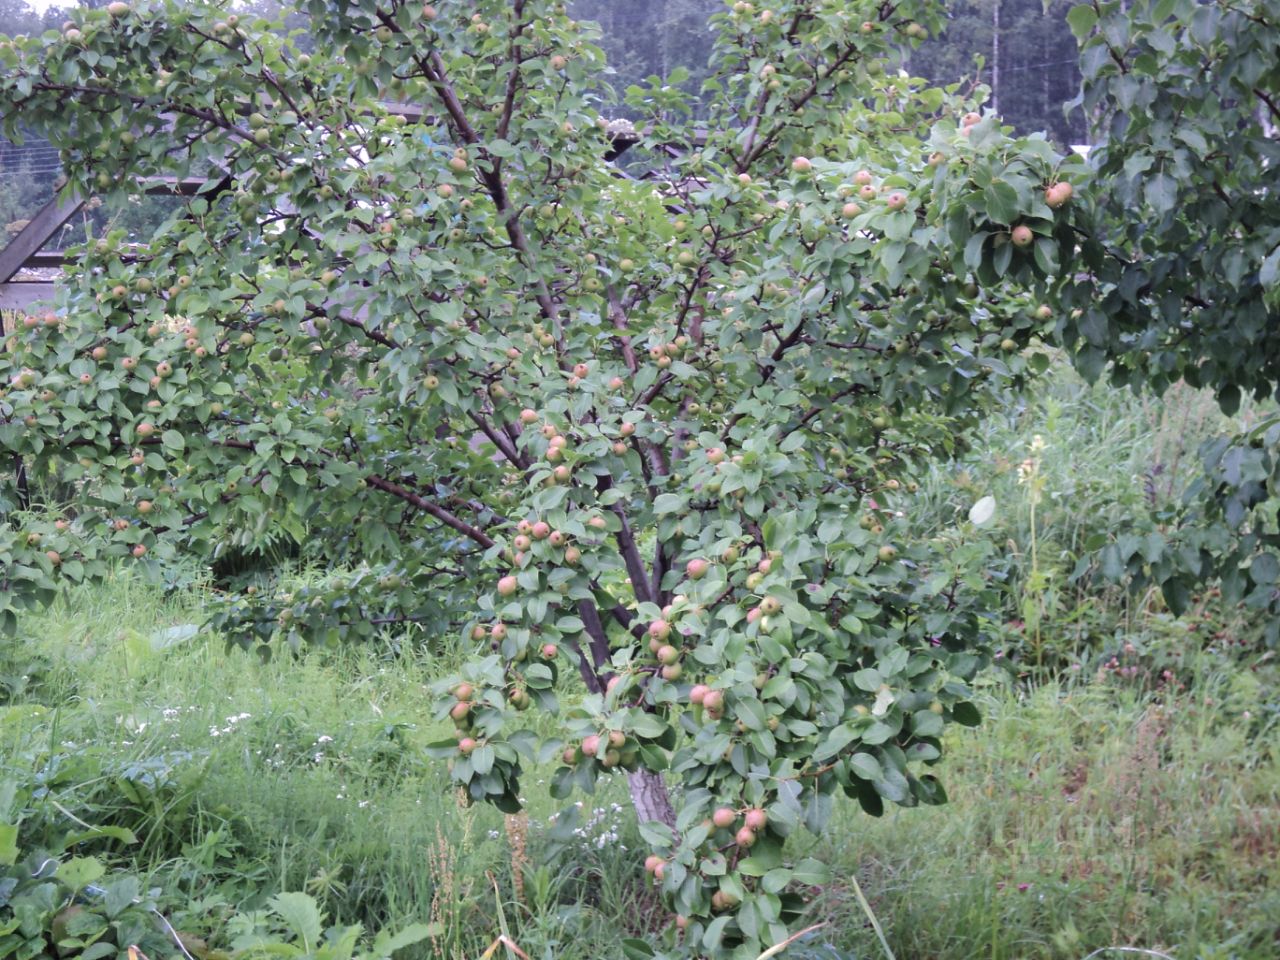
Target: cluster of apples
x=610 y=749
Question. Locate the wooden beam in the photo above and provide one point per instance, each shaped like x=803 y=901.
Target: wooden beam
x=36 y=234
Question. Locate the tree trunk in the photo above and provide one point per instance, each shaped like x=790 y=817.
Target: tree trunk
x=650 y=798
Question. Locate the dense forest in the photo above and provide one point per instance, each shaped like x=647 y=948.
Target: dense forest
x=1021 y=49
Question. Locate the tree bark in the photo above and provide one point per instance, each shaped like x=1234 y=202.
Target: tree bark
x=650 y=797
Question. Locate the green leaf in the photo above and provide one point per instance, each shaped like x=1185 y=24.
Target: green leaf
x=300 y=914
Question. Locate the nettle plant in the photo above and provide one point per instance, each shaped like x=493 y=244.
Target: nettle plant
x=645 y=438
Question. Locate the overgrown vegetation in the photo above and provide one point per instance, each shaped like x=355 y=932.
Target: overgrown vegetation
x=1128 y=802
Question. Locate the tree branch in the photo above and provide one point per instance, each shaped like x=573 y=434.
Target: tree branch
x=437 y=511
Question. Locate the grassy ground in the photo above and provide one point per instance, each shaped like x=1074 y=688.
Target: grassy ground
x=1129 y=796
x=1084 y=813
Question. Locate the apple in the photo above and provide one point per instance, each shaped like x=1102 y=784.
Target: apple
x=713 y=702
x=528 y=416
x=139 y=549
x=54 y=557
x=507 y=586
x=460 y=710
x=850 y=210
x=746 y=837
x=118 y=9
x=129 y=363
x=659 y=630
x=146 y=429
x=466 y=745
x=696 y=569
x=724 y=818
x=1058 y=194
x=770 y=605
x=1022 y=236
x=540 y=530
x=896 y=200
x=756 y=819
x=887 y=553
x=557 y=537
x=715 y=455
x=668 y=654
x=652 y=862
x=428 y=12
x=590 y=745
x=464 y=691
x=145 y=506
x=558 y=62
x=698 y=692
x=1044 y=312
x=597 y=523
x=801 y=165
x=549 y=651
x=570 y=756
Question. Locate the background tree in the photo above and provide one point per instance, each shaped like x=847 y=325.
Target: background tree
x=1183 y=255
x=656 y=432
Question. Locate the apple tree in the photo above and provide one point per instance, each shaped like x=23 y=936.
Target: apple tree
x=644 y=437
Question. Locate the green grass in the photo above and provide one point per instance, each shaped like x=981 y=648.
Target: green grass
x=1129 y=817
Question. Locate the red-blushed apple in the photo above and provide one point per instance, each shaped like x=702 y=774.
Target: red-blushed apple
x=53 y=557
x=521 y=542
x=659 y=630
x=801 y=165
x=1022 y=236
x=139 y=549
x=616 y=383
x=850 y=210
x=556 y=538
x=541 y=530
x=746 y=837
x=597 y=523
x=896 y=200
x=697 y=692
x=507 y=586
x=1058 y=195
x=569 y=756
x=590 y=745
x=724 y=818
x=146 y=429
x=756 y=819
x=715 y=455
x=498 y=631
x=652 y=862
x=696 y=568
x=668 y=654
x=627 y=429
x=528 y=416
x=466 y=745
x=753 y=615
x=549 y=651
x=460 y=709
x=478 y=632
x=573 y=556
x=713 y=703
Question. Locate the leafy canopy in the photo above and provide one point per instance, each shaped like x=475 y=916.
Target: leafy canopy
x=655 y=428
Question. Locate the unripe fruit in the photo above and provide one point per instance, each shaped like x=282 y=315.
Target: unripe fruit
x=464 y=691
x=668 y=654
x=590 y=744
x=724 y=818
x=570 y=756
x=801 y=165
x=887 y=553
x=770 y=605
x=549 y=651
x=1022 y=236
x=54 y=557
x=139 y=550
x=541 y=530
x=746 y=837
x=466 y=745
x=459 y=710
x=713 y=702
x=896 y=200
x=507 y=586
x=659 y=630
x=696 y=569
x=756 y=819
x=697 y=692
x=652 y=862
